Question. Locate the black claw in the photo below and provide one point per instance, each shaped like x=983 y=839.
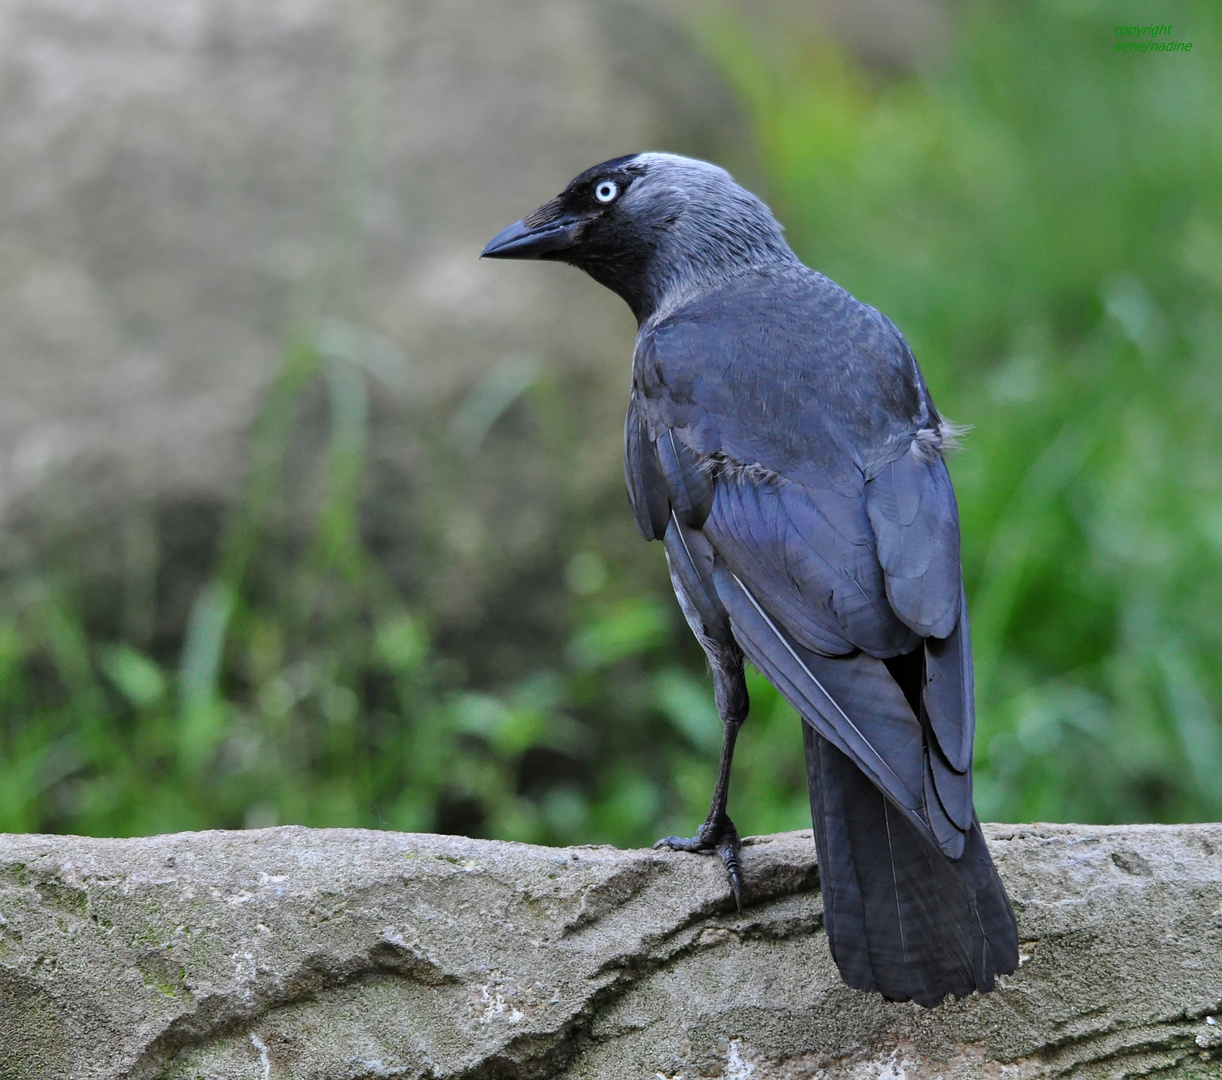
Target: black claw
x=728 y=850
x=714 y=837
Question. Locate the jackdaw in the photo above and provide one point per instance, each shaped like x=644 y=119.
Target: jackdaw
x=782 y=444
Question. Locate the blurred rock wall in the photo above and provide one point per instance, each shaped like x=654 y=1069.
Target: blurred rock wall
x=189 y=187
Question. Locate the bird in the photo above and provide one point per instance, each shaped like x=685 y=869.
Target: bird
x=782 y=444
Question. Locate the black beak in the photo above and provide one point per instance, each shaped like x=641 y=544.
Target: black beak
x=522 y=241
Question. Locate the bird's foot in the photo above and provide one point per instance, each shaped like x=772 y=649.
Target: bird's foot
x=716 y=835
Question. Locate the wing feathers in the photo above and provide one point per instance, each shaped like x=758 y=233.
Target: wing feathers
x=855 y=704
x=690 y=489
x=892 y=745
x=802 y=549
x=795 y=571
x=946 y=831
x=646 y=487
x=690 y=559
x=954 y=790
x=911 y=506
x=949 y=694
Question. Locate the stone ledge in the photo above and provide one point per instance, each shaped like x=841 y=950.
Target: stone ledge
x=346 y=953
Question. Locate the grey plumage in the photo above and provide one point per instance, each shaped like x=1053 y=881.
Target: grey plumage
x=781 y=442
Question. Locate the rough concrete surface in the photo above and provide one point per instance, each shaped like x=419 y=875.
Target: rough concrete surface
x=341 y=953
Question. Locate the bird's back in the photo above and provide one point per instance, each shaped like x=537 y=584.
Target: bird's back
x=783 y=367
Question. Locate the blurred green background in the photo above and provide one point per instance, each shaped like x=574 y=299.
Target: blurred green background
x=1041 y=216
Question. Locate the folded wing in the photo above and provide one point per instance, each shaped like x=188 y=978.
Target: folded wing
x=822 y=585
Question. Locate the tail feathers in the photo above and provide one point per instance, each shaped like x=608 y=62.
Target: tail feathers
x=902 y=918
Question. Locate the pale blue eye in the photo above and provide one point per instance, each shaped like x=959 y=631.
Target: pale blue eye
x=606 y=191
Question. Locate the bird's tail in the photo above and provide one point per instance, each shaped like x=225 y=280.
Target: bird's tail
x=901 y=917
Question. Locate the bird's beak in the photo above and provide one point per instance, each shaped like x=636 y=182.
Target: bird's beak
x=533 y=238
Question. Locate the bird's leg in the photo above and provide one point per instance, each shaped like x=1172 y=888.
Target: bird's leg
x=718 y=833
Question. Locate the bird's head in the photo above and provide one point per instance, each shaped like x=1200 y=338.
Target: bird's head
x=652 y=227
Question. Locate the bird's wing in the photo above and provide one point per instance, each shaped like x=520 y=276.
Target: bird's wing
x=825 y=565
x=646 y=490
x=912 y=510
x=810 y=609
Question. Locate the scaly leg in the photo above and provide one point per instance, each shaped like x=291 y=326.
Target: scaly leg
x=718 y=833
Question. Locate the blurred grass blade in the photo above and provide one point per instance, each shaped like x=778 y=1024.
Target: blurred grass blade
x=339 y=339
x=201 y=712
x=338 y=528
x=1196 y=720
x=486 y=402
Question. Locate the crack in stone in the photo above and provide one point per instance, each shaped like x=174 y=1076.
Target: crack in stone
x=219 y=1015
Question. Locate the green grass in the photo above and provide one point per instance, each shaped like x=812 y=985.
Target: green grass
x=1039 y=215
